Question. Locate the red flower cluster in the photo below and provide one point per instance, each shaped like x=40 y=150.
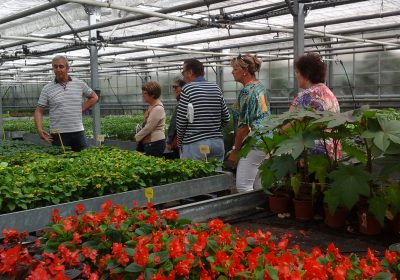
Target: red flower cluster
x=117 y=243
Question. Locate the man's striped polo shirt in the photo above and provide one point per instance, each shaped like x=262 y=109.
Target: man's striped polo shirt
x=65 y=104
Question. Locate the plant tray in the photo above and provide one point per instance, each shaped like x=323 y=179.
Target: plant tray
x=38 y=218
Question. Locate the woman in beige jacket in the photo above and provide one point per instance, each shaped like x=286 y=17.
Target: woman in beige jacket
x=152 y=136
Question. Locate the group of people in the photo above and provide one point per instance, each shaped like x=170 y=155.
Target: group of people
x=195 y=130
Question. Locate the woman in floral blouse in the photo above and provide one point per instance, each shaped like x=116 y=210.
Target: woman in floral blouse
x=310 y=73
x=251 y=109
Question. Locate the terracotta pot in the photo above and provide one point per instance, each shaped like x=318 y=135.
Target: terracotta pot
x=278 y=203
x=337 y=219
x=303 y=209
x=394 y=224
x=368 y=224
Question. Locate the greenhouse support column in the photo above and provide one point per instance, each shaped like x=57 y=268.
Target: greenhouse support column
x=94 y=70
x=330 y=66
x=219 y=77
x=298 y=23
x=1 y=118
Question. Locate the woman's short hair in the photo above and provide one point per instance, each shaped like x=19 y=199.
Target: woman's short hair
x=153 y=89
x=249 y=61
x=179 y=81
x=195 y=66
x=311 y=67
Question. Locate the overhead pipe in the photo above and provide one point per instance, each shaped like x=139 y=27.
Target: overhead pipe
x=278 y=40
x=382 y=15
x=262 y=32
x=40 y=39
x=69 y=25
x=41 y=8
x=190 y=5
x=312 y=32
x=355 y=18
x=185 y=51
x=137 y=10
x=242 y=45
x=164 y=10
x=390 y=26
x=138 y=62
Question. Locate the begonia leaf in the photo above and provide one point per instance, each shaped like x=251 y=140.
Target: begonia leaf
x=272 y=272
x=134 y=267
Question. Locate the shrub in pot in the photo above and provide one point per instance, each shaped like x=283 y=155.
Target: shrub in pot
x=377 y=142
x=290 y=153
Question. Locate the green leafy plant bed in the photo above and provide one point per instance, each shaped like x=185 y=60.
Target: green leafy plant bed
x=121 y=243
x=114 y=127
x=15 y=149
x=37 y=180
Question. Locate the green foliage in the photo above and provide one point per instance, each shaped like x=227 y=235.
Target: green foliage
x=30 y=180
x=393 y=198
x=23 y=124
x=15 y=149
x=114 y=127
x=349 y=182
x=378 y=206
x=369 y=137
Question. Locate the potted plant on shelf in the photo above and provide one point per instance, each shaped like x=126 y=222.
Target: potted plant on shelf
x=393 y=202
x=369 y=140
x=275 y=170
x=290 y=156
x=367 y=137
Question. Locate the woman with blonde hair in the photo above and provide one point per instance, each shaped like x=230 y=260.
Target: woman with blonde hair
x=251 y=109
x=152 y=136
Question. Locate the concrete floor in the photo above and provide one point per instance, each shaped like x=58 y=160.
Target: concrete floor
x=315 y=233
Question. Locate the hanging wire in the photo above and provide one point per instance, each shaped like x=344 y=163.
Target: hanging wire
x=116 y=96
x=26 y=96
x=350 y=86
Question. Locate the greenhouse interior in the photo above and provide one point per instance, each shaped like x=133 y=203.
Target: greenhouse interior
x=283 y=105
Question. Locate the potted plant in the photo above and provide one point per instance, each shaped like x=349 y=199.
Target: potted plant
x=370 y=140
x=393 y=202
x=275 y=170
x=288 y=140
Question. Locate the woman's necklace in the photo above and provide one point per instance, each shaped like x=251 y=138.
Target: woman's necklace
x=249 y=82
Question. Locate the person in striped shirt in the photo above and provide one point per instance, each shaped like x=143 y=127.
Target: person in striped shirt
x=201 y=114
x=63 y=98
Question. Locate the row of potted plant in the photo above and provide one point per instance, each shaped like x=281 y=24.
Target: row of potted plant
x=120 y=243
x=358 y=156
x=31 y=180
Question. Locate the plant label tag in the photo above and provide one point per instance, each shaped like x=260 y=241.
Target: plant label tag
x=204 y=149
x=100 y=138
x=148 y=192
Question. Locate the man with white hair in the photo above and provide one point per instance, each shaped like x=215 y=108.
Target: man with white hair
x=63 y=97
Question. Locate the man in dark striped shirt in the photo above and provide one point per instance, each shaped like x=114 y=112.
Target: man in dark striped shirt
x=201 y=114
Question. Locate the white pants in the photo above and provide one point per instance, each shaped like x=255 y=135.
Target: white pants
x=247 y=173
